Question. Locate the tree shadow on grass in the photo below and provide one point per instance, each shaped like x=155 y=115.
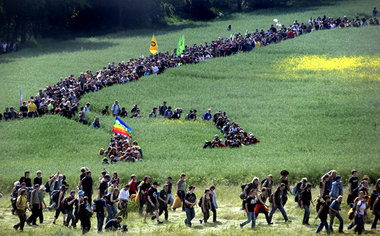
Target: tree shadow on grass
x=51 y=46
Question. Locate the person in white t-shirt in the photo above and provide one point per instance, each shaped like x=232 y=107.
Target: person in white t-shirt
x=123 y=203
x=361 y=208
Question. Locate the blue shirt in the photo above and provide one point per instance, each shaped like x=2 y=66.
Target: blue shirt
x=336 y=189
x=335 y=205
x=207 y=116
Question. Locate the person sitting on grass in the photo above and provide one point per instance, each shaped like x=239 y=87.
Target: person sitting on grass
x=153 y=114
x=168 y=113
x=123 y=113
x=105 y=111
x=207 y=116
x=96 y=123
x=113 y=224
x=177 y=113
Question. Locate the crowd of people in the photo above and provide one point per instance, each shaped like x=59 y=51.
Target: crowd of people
x=113 y=197
x=7 y=47
x=62 y=98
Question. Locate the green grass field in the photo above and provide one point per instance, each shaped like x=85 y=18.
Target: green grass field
x=308 y=121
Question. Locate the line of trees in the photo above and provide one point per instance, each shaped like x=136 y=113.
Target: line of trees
x=24 y=19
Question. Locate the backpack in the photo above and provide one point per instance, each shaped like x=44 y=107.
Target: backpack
x=55 y=196
x=271 y=197
x=47 y=185
x=318 y=205
x=295 y=189
x=108 y=198
x=65 y=202
x=98 y=205
x=200 y=201
x=243 y=187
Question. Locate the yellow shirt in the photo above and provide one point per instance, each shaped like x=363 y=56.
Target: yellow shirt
x=21 y=200
x=32 y=107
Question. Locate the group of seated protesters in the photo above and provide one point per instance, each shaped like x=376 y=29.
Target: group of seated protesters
x=234 y=135
x=62 y=98
x=120 y=149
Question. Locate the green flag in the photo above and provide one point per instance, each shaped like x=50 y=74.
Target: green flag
x=181 y=45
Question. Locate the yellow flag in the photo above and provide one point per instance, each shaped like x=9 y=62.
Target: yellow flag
x=153 y=46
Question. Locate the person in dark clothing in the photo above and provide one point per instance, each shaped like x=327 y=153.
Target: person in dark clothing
x=101 y=211
x=38 y=179
x=84 y=215
x=114 y=224
x=323 y=213
x=163 y=202
x=250 y=204
x=376 y=212
x=261 y=206
x=103 y=186
x=206 y=206
x=190 y=202
x=277 y=202
x=170 y=196
x=162 y=109
x=68 y=206
x=353 y=190
x=284 y=179
x=306 y=199
x=26 y=179
x=152 y=202
x=59 y=205
x=86 y=186
x=143 y=189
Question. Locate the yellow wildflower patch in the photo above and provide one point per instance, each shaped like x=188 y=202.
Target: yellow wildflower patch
x=347 y=67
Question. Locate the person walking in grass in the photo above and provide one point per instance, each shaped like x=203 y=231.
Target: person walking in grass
x=334 y=211
x=143 y=188
x=123 y=202
x=190 y=201
x=21 y=204
x=336 y=188
x=115 y=108
x=250 y=208
x=205 y=204
x=84 y=214
x=214 y=204
x=376 y=212
x=305 y=201
x=284 y=179
x=68 y=205
x=152 y=202
x=360 y=211
x=59 y=206
x=35 y=205
x=323 y=213
x=181 y=189
x=163 y=202
x=261 y=207
x=353 y=183
x=101 y=211
x=112 y=201
x=170 y=195
x=277 y=202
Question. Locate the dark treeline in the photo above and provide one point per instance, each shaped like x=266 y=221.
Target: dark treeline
x=24 y=19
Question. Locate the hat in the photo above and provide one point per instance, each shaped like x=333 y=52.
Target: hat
x=42 y=187
x=154 y=108
x=80 y=192
x=337 y=177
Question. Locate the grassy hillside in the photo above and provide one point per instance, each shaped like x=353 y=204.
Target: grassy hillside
x=313 y=102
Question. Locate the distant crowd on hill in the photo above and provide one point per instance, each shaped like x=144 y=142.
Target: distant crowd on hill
x=7 y=47
x=112 y=199
x=120 y=149
x=63 y=97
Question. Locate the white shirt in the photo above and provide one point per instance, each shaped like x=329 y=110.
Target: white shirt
x=362 y=206
x=124 y=195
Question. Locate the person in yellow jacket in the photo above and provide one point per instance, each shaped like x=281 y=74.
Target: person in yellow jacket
x=32 y=108
x=21 y=204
